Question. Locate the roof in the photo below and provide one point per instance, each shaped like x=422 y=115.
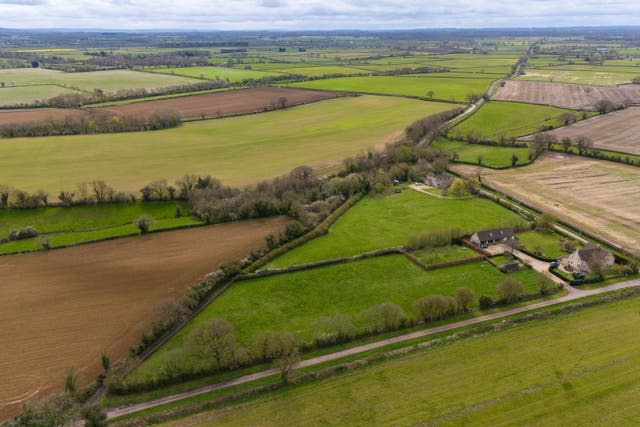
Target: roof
x=495 y=234
x=590 y=250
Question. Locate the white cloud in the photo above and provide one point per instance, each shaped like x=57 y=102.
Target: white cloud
x=312 y=14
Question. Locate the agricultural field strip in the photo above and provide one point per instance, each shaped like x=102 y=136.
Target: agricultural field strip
x=617 y=131
x=130 y=409
x=74 y=318
x=564 y=95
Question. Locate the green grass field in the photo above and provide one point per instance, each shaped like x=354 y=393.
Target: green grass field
x=109 y=81
x=10 y=96
x=444 y=87
x=62 y=226
x=444 y=254
x=293 y=301
x=571 y=369
x=238 y=150
x=549 y=243
x=218 y=73
x=377 y=223
x=495 y=156
x=508 y=119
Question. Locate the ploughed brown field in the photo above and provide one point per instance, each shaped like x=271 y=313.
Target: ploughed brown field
x=226 y=103
x=37 y=115
x=565 y=95
x=64 y=307
x=617 y=131
x=595 y=195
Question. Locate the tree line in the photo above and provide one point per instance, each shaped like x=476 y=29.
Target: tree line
x=94 y=122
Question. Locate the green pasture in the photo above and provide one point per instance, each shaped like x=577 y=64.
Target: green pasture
x=238 y=150
x=62 y=226
x=376 y=223
x=294 y=301
x=571 y=369
x=216 y=73
x=496 y=156
x=497 y=119
x=443 y=87
x=10 y=96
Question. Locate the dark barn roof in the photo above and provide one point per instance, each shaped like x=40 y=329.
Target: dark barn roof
x=495 y=234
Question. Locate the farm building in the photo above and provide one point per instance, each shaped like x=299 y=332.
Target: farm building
x=492 y=237
x=581 y=260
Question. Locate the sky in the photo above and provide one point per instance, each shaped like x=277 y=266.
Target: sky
x=314 y=14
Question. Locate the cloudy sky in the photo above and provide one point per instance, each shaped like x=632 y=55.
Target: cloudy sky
x=314 y=14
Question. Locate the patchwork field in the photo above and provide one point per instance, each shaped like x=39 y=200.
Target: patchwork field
x=572 y=369
x=294 y=301
x=110 y=81
x=506 y=119
x=216 y=73
x=617 y=131
x=19 y=95
x=65 y=307
x=443 y=87
x=224 y=103
x=565 y=95
x=377 y=223
x=598 y=196
x=318 y=135
x=581 y=75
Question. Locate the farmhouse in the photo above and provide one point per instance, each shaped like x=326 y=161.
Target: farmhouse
x=582 y=260
x=492 y=237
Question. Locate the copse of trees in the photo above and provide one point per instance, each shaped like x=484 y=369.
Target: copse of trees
x=94 y=122
x=435 y=238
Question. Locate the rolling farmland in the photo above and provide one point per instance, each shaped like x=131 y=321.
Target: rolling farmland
x=273 y=143
x=63 y=308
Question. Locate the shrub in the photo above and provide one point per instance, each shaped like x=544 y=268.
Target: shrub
x=485 y=302
x=435 y=238
x=144 y=223
x=26 y=233
x=464 y=298
x=435 y=307
x=334 y=329
x=510 y=290
x=383 y=317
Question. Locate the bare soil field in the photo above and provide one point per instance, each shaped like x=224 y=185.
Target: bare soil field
x=597 y=196
x=37 y=115
x=227 y=103
x=565 y=95
x=617 y=131
x=65 y=307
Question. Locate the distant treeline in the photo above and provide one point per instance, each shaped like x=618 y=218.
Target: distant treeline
x=94 y=122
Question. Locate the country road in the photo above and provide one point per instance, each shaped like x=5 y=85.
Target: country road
x=130 y=409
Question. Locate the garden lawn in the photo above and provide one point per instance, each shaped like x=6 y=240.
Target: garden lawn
x=377 y=223
x=497 y=119
x=549 y=243
x=495 y=156
x=294 y=301
x=571 y=369
x=237 y=150
x=444 y=87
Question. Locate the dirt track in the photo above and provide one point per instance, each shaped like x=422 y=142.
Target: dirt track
x=226 y=103
x=64 y=307
x=565 y=95
x=617 y=131
x=598 y=196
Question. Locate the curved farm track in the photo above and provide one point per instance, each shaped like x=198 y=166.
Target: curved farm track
x=65 y=307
